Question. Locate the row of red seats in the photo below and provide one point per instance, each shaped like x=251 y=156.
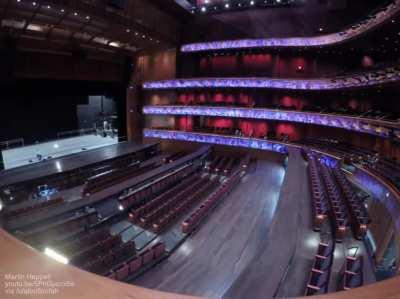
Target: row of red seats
x=162 y=198
x=84 y=241
x=146 y=193
x=318 y=194
x=134 y=265
x=169 y=202
x=101 y=247
x=104 y=263
x=194 y=219
x=353 y=273
x=172 y=201
x=184 y=205
x=221 y=165
x=358 y=213
x=110 y=178
x=173 y=157
x=229 y=166
x=35 y=207
x=338 y=210
x=318 y=281
x=213 y=164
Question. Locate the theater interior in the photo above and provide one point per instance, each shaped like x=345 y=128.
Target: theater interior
x=226 y=149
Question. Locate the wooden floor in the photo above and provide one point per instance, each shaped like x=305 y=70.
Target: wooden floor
x=212 y=261
x=258 y=244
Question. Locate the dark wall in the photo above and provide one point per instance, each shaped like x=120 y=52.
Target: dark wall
x=37 y=109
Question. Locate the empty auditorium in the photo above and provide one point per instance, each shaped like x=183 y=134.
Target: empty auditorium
x=199 y=149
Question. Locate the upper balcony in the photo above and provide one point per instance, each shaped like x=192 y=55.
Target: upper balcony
x=362 y=80
x=382 y=16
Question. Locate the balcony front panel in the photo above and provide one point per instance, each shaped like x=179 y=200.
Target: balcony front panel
x=382 y=16
x=252 y=143
x=368 y=79
x=336 y=121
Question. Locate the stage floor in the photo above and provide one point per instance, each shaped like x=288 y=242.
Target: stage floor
x=58 y=148
x=67 y=163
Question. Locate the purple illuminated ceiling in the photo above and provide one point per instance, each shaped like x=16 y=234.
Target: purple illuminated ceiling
x=373 y=78
x=343 y=122
x=316 y=41
x=254 y=143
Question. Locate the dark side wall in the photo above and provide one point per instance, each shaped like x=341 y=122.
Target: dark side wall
x=40 y=92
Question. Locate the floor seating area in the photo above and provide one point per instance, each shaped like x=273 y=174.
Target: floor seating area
x=32 y=207
x=20 y=192
x=353 y=273
x=115 y=176
x=205 y=186
x=171 y=205
x=320 y=273
x=384 y=167
x=210 y=202
x=173 y=157
x=333 y=195
x=98 y=248
x=56 y=230
x=338 y=210
x=110 y=258
x=134 y=265
x=357 y=211
x=87 y=239
x=319 y=204
x=142 y=195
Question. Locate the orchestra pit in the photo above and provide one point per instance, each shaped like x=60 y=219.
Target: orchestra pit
x=221 y=149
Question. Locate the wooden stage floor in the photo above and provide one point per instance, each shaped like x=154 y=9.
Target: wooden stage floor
x=62 y=164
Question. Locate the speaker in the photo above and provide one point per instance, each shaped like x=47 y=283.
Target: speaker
x=118 y=4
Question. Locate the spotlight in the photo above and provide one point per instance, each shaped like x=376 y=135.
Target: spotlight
x=55 y=255
x=1 y=205
x=120 y=207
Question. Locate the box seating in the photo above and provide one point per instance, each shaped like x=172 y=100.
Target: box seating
x=318 y=280
x=353 y=273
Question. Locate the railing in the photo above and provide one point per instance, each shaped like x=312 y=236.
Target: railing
x=74 y=133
